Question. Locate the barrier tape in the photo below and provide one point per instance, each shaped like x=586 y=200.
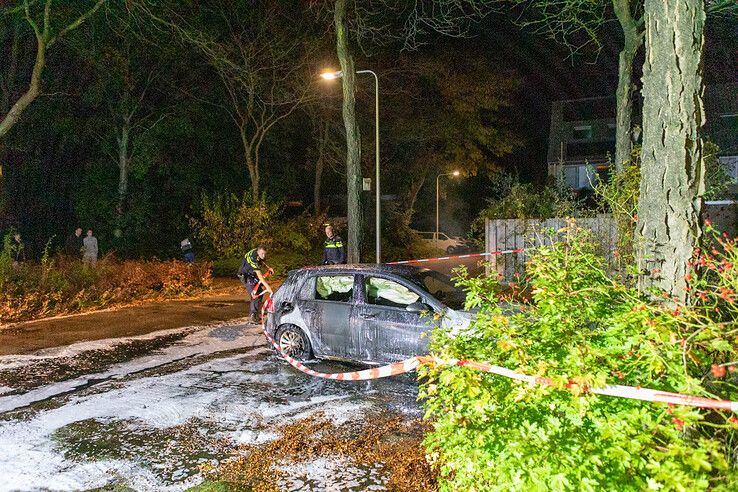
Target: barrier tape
x=255 y=291
x=457 y=257
x=411 y=364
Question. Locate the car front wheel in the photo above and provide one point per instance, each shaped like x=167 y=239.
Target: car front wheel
x=450 y=250
x=293 y=342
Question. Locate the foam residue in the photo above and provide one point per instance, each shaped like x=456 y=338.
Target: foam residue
x=223 y=379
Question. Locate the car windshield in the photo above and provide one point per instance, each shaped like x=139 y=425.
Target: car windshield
x=442 y=288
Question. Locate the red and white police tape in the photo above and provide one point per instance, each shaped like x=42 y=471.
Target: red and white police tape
x=457 y=257
x=411 y=364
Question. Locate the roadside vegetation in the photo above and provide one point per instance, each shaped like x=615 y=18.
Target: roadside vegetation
x=59 y=285
x=584 y=328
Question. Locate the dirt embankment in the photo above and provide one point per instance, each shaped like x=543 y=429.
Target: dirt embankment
x=227 y=300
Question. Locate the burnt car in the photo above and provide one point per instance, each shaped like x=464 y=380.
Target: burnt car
x=370 y=314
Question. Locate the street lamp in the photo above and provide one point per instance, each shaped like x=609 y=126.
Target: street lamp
x=454 y=173
x=378 y=225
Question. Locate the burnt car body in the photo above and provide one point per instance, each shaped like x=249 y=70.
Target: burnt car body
x=371 y=314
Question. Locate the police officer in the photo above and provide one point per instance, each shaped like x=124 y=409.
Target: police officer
x=251 y=276
x=334 y=252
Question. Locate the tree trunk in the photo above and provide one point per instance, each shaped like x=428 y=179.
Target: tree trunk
x=672 y=167
x=353 y=137
x=415 y=187
x=253 y=175
x=34 y=89
x=624 y=96
x=251 y=164
x=123 y=165
x=8 y=86
x=319 y=163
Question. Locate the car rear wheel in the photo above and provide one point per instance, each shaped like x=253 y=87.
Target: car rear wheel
x=450 y=250
x=293 y=342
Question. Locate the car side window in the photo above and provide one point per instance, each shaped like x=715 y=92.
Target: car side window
x=383 y=292
x=334 y=288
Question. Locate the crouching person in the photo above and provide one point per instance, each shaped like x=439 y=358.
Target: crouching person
x=252 y=277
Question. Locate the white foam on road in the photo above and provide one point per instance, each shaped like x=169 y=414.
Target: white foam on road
x=14 y=361
x=199 y=342
x=231 y=393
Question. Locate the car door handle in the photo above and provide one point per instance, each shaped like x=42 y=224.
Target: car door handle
x=308 y=310
x=367 y=316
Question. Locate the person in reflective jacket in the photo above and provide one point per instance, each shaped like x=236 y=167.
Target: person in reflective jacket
x=252 y=278
x=334 y=252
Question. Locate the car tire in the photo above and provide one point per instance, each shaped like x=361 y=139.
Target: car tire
x=450 y=250
x=293 y=342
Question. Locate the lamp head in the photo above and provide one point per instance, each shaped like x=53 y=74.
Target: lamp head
x=332 y=75
x=456 y=173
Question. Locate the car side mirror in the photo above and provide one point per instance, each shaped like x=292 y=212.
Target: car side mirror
x=418 y=307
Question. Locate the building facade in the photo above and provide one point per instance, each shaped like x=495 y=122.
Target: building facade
x=582 y=135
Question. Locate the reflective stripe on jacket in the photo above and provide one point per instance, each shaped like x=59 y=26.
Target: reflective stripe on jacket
x=334 y=251
x=250 y=263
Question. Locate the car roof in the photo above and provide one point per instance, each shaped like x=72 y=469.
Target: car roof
x=402 y=270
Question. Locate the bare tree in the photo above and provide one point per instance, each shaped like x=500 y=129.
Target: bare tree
x=46 y=35
x=262 y=59
x=326 y=153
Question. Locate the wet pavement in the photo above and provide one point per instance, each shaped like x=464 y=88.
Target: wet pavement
x=147 y=411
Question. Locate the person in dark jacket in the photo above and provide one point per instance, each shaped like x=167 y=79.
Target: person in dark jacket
x=73 y=245
x=188 y=254
x=334 y=252
x=250 y=273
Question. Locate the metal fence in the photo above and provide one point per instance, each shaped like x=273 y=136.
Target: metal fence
x=505 y=234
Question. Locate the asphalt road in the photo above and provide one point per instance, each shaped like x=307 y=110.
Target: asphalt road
x=143 y=396
x=147 y=411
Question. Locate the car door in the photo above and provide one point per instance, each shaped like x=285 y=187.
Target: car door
x=389 y=331
x=327 y=308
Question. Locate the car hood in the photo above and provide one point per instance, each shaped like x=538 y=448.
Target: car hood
x=457 y=321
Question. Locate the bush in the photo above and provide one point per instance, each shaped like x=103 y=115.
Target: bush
x=717 y=177
x=583 y=330
x=527 y=201
x=230 y=225
x=619 y=196
x=62 y=285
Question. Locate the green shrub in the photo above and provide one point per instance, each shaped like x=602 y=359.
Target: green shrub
x=717 y=177
x=527 y=201
x=619 y=196
x=583 y=330
x=230 y=225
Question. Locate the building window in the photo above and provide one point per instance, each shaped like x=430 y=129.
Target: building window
x=582 y=132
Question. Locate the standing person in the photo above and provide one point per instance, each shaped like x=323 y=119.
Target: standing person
x=252 y=277
x=73 y=245
x=17 y=249
x=90 y=248
x=188 y=254
x=334 y=252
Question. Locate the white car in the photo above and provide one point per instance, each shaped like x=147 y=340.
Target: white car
x=450 y=244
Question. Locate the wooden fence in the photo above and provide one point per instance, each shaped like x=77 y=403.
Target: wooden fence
x=506 y=234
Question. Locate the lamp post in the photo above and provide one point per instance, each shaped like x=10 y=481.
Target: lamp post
x=378 y=224
x=438 y=194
